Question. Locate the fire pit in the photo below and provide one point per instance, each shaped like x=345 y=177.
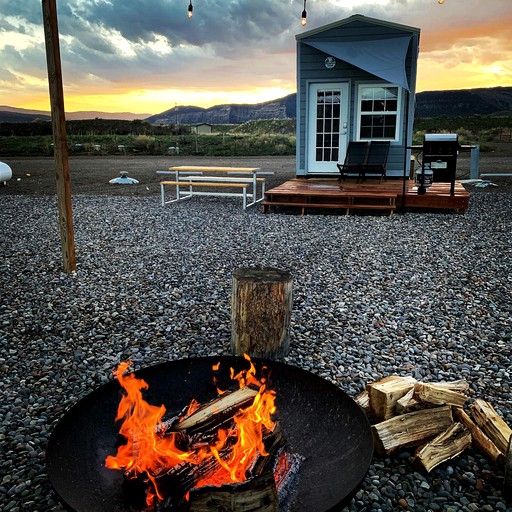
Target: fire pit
x=321 y=423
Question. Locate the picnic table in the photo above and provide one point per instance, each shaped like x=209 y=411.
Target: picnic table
x=209 y=179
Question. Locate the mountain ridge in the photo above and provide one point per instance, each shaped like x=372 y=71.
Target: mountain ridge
x=459 y=102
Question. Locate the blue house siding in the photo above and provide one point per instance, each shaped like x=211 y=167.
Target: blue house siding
x=311 y=69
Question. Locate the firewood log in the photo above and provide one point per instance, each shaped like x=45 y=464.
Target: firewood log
x=438 y=395
x=363 y=400
x=385 y=393
x=445 y=446
x=461 y=385
x=491 y=423
x=507 y=481
x=407 y=403
x=410 y=429
x=480 y=441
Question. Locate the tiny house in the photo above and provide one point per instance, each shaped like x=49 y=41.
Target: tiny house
x=201 y=128
x=356 y=81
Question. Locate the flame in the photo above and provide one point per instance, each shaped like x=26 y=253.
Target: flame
x=147 y=452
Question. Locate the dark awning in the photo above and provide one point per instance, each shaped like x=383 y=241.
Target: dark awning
x=384 y=58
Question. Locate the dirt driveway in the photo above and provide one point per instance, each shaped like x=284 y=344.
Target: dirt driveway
x=90 y=174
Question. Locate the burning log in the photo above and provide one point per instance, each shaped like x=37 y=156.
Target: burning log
x=215 y=413
x=438 y=394
x=261 y=305
x=410 y=429
x=447 y=445
x=230 y=445
x=386 y=392
x=258 y=494
x=492 y=424
x=480 y=440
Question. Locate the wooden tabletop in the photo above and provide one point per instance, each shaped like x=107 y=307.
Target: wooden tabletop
x=205 y=168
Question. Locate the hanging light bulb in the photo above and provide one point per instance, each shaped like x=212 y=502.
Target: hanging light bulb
x=303 y=19
x=190 y=11
x=440 y=2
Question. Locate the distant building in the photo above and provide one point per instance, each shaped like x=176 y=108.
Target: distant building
x=356 y=81
x=201 y=128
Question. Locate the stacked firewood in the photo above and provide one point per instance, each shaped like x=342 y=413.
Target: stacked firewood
x=433 y=418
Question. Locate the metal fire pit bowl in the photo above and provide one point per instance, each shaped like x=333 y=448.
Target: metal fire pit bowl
x=320 y=422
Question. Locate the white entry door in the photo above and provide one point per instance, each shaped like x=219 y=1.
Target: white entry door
x=327 y=130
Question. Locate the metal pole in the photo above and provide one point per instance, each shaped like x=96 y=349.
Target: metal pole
x=51 y=33
x=406 y=143
x=475 y=162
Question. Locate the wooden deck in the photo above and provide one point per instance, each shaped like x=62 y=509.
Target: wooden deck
x=350 y=196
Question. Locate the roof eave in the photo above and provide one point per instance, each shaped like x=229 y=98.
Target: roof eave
x=350 y=19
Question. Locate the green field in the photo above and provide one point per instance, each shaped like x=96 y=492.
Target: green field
x=275 y=137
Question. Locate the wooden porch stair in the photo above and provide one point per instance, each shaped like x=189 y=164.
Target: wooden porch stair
x=321 y=195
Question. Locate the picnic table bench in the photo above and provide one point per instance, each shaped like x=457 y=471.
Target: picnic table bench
x=188 y=178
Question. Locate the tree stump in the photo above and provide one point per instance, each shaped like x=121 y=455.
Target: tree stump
x=261 y=305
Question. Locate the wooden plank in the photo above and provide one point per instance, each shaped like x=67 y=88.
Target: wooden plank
x=186 y=179
x=205 y=184
x=195 y=168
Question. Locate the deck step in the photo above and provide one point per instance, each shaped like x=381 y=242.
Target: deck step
x=342 y=206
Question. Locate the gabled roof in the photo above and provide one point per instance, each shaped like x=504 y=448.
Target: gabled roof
x=352 y=19
x=382 y=55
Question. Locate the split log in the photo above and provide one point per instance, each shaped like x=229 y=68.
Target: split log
x=385 y=393
x=447 y=445
x=408 y=403
x=363 y=400
x=258 y=494
x=261 y=305
x=214 y=413
x=480 y=440
x=410 y=429
x=438 y=395
x=492 y=424
x=461 y=385
x=507 y=481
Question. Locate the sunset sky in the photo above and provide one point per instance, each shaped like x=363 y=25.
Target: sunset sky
x=145 y=56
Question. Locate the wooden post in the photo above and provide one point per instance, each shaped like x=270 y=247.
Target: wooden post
x=261 y=304
x=51 y=32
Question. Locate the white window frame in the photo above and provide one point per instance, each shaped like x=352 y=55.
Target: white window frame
x=359 y=113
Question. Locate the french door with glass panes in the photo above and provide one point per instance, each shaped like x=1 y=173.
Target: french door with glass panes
x=327 y=131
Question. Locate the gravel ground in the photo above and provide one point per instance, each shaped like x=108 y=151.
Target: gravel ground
x=421 y=294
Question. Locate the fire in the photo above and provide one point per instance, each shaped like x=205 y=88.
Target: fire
x=147 y=452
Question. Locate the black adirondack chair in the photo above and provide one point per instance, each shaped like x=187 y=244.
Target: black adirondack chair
x=376 y=159
x=354 y=159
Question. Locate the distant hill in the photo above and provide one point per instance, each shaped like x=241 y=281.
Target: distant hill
x=23 y=115
x=464 y=102
x=281 y=108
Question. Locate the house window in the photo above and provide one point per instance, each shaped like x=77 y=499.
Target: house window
x=378 y=110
